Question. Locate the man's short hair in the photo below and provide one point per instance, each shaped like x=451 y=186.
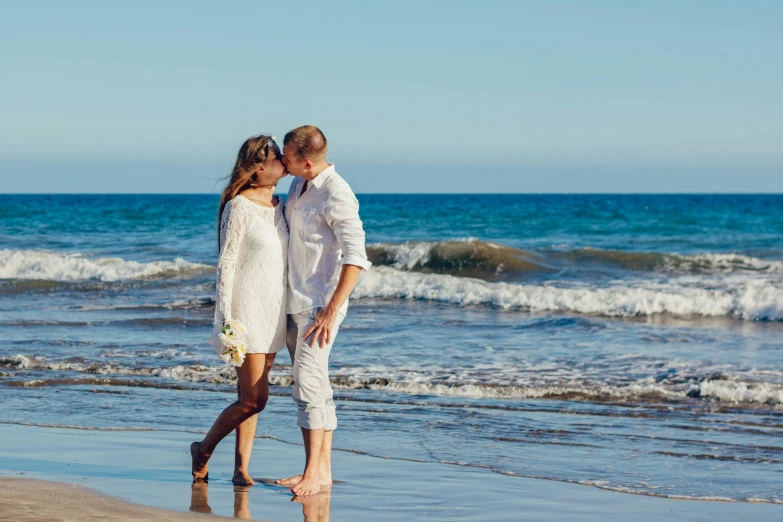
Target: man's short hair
x=309 y=141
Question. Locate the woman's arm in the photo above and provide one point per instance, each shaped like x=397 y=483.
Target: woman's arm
x=232 y=228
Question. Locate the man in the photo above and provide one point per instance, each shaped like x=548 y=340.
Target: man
x=325 y=256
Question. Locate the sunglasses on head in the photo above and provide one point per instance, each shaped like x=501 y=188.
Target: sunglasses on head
x=271 y=142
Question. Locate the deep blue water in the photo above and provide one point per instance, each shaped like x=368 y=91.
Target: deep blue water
x=686 y=224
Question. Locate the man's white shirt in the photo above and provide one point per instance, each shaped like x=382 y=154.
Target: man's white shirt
x=325 y=233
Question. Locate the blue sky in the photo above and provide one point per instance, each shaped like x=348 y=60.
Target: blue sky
x=426 y=96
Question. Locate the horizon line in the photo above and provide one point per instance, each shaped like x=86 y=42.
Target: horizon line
x=411 y=193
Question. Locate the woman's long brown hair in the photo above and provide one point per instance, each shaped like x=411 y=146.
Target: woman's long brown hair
x=252 y=153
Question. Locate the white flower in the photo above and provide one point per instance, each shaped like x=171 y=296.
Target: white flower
x=233 y=340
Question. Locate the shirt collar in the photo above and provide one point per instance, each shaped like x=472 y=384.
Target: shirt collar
x=321 y=178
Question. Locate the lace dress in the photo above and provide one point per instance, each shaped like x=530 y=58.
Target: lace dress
x=252 y=274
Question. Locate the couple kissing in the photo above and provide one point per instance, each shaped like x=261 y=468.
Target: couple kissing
x=284 y=274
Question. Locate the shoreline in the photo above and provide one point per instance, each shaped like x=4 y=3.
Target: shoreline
x=586 y=483
x=150 y=470
x=23 y=499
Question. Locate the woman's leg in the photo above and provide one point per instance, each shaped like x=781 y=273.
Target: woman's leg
x=245 y=434
x=253 y=378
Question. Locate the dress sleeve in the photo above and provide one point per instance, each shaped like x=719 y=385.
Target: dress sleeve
x=343 y=217
x=232 y=230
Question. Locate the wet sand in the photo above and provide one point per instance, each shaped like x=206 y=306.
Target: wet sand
x=28 y=500
x=144 y=475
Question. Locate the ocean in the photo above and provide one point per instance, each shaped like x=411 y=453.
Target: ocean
x=626 y=342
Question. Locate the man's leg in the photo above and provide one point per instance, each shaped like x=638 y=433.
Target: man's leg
x=324 y=463
x=330 y=424
x=311 y=479
x=293 y=337
x=310 y=378
x=313 y=396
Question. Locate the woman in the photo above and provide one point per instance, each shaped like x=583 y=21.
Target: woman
x=251 y=289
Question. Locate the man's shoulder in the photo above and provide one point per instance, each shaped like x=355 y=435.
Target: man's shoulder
x=336 y=185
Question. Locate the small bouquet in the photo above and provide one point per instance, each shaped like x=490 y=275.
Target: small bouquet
x=233 y=343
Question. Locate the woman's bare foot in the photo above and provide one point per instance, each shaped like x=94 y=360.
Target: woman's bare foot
x=309 y=485
x=199 y=463
x=241 y=478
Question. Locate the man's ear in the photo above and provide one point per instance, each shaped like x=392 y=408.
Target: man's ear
x=308 y=164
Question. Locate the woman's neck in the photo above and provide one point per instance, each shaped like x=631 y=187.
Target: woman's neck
x=263 y=195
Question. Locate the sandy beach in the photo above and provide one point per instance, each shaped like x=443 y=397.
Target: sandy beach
x=142 y=475
x=28 y=500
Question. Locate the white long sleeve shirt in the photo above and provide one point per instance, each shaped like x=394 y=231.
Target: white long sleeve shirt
x=325 y=233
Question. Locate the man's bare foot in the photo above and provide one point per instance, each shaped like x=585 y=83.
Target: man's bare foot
x=290 y=481
x=199 y=463
x=326 y=478
x=309 y=485
x=241 y=478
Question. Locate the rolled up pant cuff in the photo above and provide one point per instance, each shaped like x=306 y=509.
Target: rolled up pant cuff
x=315 y=421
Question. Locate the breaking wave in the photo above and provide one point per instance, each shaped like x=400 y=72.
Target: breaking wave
x=51 y=266
x=468 y=258
x=496 y=262
x=469 y=273
x=748 y=300
x=463 y=258
x=676 y=263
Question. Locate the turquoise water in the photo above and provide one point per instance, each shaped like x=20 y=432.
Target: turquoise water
x=625 y=342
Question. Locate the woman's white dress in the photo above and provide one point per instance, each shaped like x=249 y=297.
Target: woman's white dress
x=252 y=274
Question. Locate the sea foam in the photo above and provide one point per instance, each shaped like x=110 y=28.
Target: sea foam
x=740 y=388
x=51 y=266
x=747 y=296
x=748 y=299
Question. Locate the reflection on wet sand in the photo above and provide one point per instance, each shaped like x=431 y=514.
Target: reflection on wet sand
x=315 y=508
x=199 y=498
x=242 y=502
